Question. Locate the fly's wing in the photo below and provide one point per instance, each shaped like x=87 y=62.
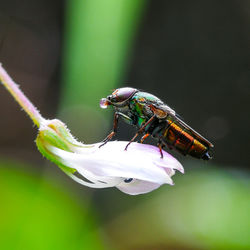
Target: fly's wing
x=163 y=111
x=160 y=109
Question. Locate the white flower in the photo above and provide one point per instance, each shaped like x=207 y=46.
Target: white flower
x=137 y=170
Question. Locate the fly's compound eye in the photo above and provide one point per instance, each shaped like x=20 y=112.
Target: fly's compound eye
x=122 y=95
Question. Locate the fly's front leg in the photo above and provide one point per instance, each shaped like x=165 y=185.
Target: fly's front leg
x=115 y=126
x=113 y=132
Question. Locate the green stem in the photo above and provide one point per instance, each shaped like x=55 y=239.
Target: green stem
x=19 y=96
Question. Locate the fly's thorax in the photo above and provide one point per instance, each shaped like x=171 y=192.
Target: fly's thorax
x=140 y=107
x=147 y=97
x=143 y=102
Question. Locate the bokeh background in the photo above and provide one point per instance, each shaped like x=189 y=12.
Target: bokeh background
x=66 y=55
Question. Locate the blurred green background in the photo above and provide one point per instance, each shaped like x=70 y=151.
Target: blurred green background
x=66 y=55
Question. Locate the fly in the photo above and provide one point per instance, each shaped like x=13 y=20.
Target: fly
x=154 y=118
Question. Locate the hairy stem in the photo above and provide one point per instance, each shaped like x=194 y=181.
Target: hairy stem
x=19 y=96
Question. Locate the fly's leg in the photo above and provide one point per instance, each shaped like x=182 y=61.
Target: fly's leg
x=144 y=137
x=140 y=131
x=132 y=140
x=113 y=132
x=115 y=126
x=160 y=146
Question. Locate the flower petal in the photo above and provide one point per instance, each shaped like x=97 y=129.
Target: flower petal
x=95 y=184
x=113 y=160
x=170 y=171
x=137 y=187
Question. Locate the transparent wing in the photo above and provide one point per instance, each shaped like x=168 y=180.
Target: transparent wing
x=164 y=109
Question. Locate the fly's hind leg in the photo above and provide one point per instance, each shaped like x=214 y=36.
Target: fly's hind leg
x=115 y=126
x=160 y=146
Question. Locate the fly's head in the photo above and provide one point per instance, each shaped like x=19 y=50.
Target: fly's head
x=119 y=98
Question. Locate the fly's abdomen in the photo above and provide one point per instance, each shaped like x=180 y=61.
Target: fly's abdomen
x=176 y=137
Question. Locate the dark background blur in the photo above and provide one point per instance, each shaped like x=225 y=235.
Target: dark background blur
x=194 y=55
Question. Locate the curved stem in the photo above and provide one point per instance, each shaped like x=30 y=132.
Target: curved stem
x=19 y=96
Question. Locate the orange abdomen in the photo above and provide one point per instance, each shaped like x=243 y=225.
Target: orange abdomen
x=176 y=137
